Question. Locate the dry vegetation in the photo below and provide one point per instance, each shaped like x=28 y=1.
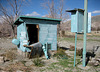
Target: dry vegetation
x=59 y=62
x=62 y=60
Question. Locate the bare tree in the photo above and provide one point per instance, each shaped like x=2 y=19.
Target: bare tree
x=55 y=11
x=60 y=8
x=50 y=7
x=9 y=15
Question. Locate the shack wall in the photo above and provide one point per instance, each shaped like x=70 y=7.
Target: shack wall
x=48 y=34
x=22 y=37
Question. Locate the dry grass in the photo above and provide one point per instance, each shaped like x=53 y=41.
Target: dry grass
x=10 y=55
x=17 y=66
x=13 y=49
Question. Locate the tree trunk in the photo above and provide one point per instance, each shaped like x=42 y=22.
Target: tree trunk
x=13 y=30
x=58 y=30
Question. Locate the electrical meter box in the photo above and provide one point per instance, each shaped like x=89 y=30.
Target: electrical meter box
x=77 y=21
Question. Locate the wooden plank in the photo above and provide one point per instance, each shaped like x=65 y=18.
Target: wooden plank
x=38 y=32
x=31 y=52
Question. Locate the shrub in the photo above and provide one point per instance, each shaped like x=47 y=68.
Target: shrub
x=60 y=54
x=72 y=48
x=38 y=62
x=79 y=52
x=9 y=55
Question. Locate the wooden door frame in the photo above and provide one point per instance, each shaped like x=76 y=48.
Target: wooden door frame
x=37 y=26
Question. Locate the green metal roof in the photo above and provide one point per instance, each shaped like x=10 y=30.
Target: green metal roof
x=19 y=19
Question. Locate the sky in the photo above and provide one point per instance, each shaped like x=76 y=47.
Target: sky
x=34 y=7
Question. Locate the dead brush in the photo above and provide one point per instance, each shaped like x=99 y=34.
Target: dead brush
x=17 y=66
x=10 y=55
x=72 y=48
x=14 y=49
x=79 y=52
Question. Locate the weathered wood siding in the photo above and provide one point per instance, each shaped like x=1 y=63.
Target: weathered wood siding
x=47 y=31
x=22 y=37
x=48 y=34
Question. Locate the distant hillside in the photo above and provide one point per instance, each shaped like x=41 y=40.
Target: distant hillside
x=5 y=29
x=96 y=18
x=95 y=23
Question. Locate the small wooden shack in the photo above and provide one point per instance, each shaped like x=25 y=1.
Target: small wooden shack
x=31 y=30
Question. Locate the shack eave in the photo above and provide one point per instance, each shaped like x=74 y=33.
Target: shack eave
x=20 y=19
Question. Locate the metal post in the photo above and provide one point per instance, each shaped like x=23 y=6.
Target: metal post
x=85 y=27
x=47 y=50
x=75 y=48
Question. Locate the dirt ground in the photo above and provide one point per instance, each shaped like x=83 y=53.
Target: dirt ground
x=92 y=41
x=17 y=63
x=6 y=43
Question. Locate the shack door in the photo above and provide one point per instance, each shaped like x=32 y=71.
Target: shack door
x=33 y=33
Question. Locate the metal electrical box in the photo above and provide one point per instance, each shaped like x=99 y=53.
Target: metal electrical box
x=77 y=21
x=89 y=23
